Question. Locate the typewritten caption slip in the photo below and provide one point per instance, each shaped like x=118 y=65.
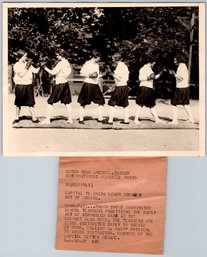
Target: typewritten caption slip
x=111 y=204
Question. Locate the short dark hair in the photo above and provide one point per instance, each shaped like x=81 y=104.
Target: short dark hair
x=95 y=53
x=117 y=56
x=20 y=53
x=180 y=58
x=150 y=59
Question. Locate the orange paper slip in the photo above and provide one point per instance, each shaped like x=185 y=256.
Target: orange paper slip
x=112 y=204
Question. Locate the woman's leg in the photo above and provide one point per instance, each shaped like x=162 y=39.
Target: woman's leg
x=136 y=119
x=49 y=113
x=69 y=110
x=100 y=113
x=154 y=113
x=188 y=110
x=18 y=110
x=81 y=114
x=32 y=111
x=126 y=114
x=111 y=114
x=175 y=114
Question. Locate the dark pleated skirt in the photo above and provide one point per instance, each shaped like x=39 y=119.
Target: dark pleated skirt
x=146 y=97
x=90 y=93
x=181 y=96
x=60 y=92
x=24 y=95
x=119 y=97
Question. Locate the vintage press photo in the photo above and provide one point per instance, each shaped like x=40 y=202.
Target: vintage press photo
x=99 y=79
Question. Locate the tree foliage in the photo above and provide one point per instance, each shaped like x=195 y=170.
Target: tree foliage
x=138 y=33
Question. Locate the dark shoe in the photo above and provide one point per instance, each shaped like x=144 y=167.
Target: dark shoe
x=15 y=121
x=35 y=121
x=107 y=122
x=81 y=122
x=123 y=122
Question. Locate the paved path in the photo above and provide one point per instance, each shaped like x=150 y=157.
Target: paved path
x=107 y=142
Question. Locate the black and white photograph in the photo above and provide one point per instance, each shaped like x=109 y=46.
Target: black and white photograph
x=103 y=79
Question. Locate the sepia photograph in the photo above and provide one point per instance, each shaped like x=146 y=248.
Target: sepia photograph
x=103 y=79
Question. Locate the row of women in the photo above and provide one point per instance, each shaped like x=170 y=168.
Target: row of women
x=91 y=92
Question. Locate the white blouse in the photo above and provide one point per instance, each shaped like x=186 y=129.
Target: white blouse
x=61 y=71
x=182 y=76
x=144 y=73
x=121 y=74
x=22 y=75
x=89 y=68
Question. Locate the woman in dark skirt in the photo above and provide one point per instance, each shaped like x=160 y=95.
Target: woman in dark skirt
x=24 y=88
x=182 y=93
x=146 y=94
x=61 y=89
x=120 y=95
x=146 y=97
x=91 y=91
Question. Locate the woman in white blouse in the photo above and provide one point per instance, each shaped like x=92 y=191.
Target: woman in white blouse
x=146 y=94
x=120 y=95
x=182 y=92
x=90 y=91
x=61 y=88
x=24 y=88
